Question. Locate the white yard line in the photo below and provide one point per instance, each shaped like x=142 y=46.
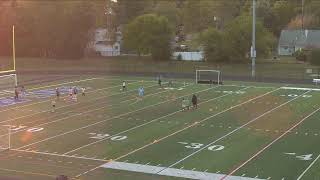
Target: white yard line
x=144 y=124
x=59 y=155
x=39 y=102
x=308 y=168
x=61 y=107
x=233 y=131
x=270 y=144
x=99 y=122
x=85 y=112
x=70 y=82
x=171 y=172
x=147 y=145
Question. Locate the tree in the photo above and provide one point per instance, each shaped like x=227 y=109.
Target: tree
x=149 y=34
x=239 y=36
x=214 y=45
x=53 y=29
x=130 y=9
x=282 y=13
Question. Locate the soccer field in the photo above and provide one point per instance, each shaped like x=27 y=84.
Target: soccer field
x=238 y=132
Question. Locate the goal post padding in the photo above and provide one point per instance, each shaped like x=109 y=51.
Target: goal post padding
x=207 y=76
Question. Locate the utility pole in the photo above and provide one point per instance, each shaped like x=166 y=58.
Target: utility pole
x=253 y=47
x=302 y=14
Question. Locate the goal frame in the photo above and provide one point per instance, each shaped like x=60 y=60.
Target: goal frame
x=198 y=74
x=14 y=75
x=13 y=70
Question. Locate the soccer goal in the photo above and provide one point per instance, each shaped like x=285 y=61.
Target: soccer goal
x=208 y=76
x=7 y=83
x=8 y=76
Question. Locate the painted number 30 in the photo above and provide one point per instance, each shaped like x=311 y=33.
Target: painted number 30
x=198 y=146
x=104 y=136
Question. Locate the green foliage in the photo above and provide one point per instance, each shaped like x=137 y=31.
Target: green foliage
x=315 y=57
x=234 y=44
x=300 y=55
x=214 y=45
x=282 y=13
x=238 y=35
x=149 y=34
x=53 y=29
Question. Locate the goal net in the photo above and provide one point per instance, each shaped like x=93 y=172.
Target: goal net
x=8 y=79
x=208 y=76
x=8 y=82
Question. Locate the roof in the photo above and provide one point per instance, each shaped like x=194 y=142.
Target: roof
x=302 y=38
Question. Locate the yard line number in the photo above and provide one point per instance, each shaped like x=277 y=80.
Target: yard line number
x=296 y=95
x=104 y=136
x=231 y=92
x=199 y=145
x=305 y=157
x=21 y=127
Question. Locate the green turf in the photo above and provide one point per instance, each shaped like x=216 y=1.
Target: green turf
x=232 y=124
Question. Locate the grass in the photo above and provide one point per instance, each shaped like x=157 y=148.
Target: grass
x=240 y=129
x=284 y=68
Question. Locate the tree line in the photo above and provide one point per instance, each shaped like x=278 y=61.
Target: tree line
x=62 y=29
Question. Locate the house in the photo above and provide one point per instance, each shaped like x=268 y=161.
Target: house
x=292 y=40
x=106 y=43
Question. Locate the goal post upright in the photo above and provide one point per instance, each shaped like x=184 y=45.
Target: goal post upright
x=13 y=48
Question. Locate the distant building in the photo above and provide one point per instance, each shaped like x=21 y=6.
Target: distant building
x=106 y=44
x=291 y=41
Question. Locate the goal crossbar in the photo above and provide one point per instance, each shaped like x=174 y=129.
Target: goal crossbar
x=211 y=80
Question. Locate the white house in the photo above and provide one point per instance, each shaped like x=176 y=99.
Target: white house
x=103 y=43
x=292 y=40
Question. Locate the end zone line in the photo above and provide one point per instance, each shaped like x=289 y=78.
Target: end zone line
x=118 y=116
x=231 y=132
x=85 y=112
x=149 y=122
x=161 y=139
x=309 y=167
x=270 y=144
x=26 y=172
x=101 y=97
x=59 y=155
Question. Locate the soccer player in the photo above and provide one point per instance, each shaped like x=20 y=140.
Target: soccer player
x=53 y=104
x=57 y=94
x=185 y=104
x=70 y=93
x=75 y=92
x=124 y=86
x=23 y=91
x=159 y=81
x=141 y=92
x=194 y=101
x=170 y=83
x=16 y=93
x=83 y=89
